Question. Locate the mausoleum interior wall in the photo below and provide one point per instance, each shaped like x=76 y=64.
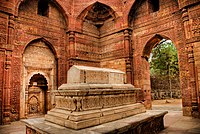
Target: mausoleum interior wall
x=50 y=29
x=100 y=40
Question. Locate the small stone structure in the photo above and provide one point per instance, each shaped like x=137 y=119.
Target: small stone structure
x=93 y=96
x=96 y=100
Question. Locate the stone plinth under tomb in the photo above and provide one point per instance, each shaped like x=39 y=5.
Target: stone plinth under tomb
x=95 y=96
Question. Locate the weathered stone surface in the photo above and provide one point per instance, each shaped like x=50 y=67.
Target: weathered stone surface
x=80 y=97
x=92 y=103
x=83 y=119
x=93 y=75
x=149 y=122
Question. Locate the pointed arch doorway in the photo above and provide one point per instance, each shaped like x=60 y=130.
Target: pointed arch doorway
x=37 y=95
x=39 y=78
x=161 y=59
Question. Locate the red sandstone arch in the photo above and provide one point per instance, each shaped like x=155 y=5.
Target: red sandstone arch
x=38 y=76
x=151 y=43
x=148 y=46
x=83 y=14
x=48 y=43
x=80 y=18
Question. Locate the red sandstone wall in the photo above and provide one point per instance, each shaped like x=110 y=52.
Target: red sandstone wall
x=3 y=42
x=2 y=58
x=30 y=26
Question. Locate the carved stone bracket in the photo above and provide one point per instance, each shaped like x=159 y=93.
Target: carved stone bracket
x=185 y=16
x=186 y=23
x=71 y=36
x=8 y=60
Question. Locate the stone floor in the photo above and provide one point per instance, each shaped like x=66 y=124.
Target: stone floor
x=175 y=123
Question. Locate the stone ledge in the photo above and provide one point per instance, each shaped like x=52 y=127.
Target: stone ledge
x=150 y=122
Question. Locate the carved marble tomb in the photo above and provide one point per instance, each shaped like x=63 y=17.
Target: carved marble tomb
x=94 y=96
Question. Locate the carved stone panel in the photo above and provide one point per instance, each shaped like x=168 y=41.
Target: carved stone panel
x=34 y=99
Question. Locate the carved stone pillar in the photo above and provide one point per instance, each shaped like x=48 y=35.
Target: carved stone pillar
x=7 y=88
x=72 y=51
x=7 y=71
x=191 y=63
x=11 y=30
x=129 y=71
x=192 y=80
x=128 y=55
x=127 y=43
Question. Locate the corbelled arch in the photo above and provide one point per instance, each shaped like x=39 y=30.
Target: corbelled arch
x=108 y=12
x=136 y=4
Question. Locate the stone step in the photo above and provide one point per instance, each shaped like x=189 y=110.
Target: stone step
x=83 y=119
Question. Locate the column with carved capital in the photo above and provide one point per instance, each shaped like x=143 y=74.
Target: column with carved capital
x=128 y=55
x=71 y=44
x=71 y=49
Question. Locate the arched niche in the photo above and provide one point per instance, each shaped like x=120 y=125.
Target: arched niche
x=96 y=17
x=38 y=100
x=39 y=72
